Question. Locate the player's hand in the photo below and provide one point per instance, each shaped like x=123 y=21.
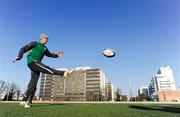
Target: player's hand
x=17 y=59
x=60 y=54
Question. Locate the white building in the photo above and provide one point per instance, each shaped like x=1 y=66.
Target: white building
x=162 y=81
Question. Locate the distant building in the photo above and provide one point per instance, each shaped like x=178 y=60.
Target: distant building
x=109 y=92
x=2 y=96
x=58 y=86
x=162 y=81
x=95 y=85
x=173 y=96
x=46 y=87
x=75 y=86
x=143 y=91
x=85 y=84
x=55 y=87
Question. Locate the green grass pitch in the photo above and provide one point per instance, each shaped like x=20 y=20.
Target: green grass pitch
x=89 y=110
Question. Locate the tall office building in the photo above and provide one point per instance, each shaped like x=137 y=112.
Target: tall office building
x=95 y=85
x=75 y=86
x=84 y=84
x=58 y=86
x=55 y=87
x=162 y=81
x=46 y=87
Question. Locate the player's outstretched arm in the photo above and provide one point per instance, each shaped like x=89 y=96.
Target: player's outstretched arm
x=24 y=49
x=53 y=55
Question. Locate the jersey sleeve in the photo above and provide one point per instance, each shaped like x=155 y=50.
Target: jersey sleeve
x=49 y=54
x=26 y=48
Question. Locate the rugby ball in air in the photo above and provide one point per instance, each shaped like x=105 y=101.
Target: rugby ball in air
x=109 y=53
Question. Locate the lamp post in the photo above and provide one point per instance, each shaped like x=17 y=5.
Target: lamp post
x=130 y=89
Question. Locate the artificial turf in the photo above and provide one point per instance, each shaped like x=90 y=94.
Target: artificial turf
x=89 y=110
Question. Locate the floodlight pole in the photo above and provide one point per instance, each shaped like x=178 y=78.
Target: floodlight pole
x=130 y=89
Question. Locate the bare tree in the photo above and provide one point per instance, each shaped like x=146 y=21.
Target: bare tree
x=119 y=91
x=11 y=89
x=2 y=86
x=118 y=94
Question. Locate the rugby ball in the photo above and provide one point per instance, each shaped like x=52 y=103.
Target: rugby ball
x=109 y=53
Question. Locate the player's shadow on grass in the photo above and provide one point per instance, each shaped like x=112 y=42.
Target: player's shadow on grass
x=51 y=104
x=158 y=108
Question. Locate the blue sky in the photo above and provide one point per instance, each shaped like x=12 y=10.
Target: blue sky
x=144 y=34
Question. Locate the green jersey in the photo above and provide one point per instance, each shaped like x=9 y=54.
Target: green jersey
x=36 y=52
